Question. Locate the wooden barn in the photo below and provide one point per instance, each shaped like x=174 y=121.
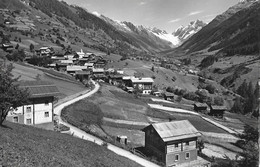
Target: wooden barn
x=217 y=110
x=168 y=96
x=174 y=143
x=199 y=107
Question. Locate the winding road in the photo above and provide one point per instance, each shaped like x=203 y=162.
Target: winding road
x=82 y=134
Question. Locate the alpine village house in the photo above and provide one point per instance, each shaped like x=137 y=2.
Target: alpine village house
x=174 y=143
x=39 y=109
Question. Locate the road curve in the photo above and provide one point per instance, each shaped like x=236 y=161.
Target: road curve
x=82 y=134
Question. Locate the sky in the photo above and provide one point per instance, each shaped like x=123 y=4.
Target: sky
x=164 y=14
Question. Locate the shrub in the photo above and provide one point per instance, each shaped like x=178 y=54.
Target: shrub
x=210 y=88
x=191 y=96
x=17 y=55
x=218 y=101
x=208 y=61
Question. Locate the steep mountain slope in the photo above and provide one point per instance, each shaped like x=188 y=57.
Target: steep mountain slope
x=145 y=37
x=184 y=33
x=139 y=41
x=234 y=31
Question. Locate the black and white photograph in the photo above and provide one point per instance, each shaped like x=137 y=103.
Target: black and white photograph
x=129 y=83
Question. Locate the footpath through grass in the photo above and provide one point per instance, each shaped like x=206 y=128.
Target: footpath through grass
x=23 y=145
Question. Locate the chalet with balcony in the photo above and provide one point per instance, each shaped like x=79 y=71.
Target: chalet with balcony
x=115 y=79
x=143 y=84
x=174 y=143
x=39 y=109
x=98 y=73
x=83 y=75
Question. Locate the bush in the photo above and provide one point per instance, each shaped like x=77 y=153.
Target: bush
x=207 y=61
x=17 y=55
x=40 y=61
x=191 y=96
x=218 y=101
x=210 y=88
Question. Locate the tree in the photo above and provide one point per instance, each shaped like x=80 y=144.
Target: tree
x=152 y=68
x=31 y=47
x=238 y=106
x=250 y=147
x=11 y=96
x=17 y=55
x=58 y=42
x=17 y=46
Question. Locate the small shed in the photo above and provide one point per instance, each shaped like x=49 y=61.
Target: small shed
x=200 y=107
x=122 y=139
x=217 y=110
x=168 y=96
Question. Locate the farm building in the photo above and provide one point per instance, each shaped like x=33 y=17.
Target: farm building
x=174 y=143
x=144 y=84
x=73 y=68
x=168 y=96
x=39 y=110
x=200 y=107
x=115 y=79
x=83 y=75
x=127 y=81
x=217 y=110
x=99 y=73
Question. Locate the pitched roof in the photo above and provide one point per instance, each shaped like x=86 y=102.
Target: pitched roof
x=175 y=130
x=142 y=80
x=215 y=107
x=168 y=94
x=200 y=104
x=39 y=88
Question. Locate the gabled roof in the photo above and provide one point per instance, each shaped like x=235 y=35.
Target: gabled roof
x=168 y=94
x=200 y=105
x=214 y=107
x=142 y=80
x=175 y=130
x=39 y=88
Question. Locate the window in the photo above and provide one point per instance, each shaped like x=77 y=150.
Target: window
x=29 y=121
x=46 y=114
x=15 y=119
x=177 y=157
x=187 y=143
x=28 y=109
x=176 y=145
x=187 y=155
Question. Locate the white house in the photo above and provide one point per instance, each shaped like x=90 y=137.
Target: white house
x=45 y=50
x=39 y=109
x=143 y=84
x=81 y=54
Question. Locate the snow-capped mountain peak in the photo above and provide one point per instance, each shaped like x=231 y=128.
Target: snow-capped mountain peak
x=183 y=33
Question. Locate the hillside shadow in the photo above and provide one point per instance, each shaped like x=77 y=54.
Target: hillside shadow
x=6 y=127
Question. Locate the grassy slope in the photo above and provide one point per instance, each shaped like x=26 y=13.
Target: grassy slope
x=23 y=145
x=66 y=88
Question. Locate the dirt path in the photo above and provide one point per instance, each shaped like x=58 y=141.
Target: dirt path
x=81 y=134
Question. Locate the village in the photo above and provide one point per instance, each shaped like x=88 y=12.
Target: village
x=150 y=108
x=89 y=67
